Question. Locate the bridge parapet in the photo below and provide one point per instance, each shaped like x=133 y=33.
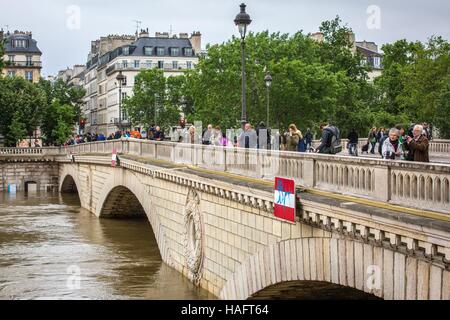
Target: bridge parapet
x=30 y=151
x=436 y=146
x=416 y=185
x=397 y=182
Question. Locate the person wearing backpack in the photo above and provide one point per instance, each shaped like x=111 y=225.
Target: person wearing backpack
x=293 y=138
x=331 y=140
x=382 y=139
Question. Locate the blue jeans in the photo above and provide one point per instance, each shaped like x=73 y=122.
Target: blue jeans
x=373 y=147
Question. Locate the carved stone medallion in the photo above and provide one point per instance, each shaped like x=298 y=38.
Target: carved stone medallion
x=193 y=236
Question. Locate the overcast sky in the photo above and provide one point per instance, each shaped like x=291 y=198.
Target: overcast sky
x=65 y=42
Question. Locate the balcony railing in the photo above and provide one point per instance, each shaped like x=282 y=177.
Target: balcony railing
x=31 y=64
x=143 y=66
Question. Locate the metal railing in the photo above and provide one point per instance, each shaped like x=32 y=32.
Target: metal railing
x=417 y=185
x=23 y=64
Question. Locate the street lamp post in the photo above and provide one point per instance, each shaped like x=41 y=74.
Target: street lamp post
x=268 y=80
x=120 y=78
x=243 y=21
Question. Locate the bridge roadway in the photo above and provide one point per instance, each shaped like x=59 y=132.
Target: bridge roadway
x=214 y=222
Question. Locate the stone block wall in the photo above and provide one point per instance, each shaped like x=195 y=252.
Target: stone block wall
x=44 y=174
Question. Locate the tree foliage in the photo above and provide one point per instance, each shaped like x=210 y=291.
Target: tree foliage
x=312 y=81
x=29 y=106
x=415 y=82
x=155 y=99
x=20 y=101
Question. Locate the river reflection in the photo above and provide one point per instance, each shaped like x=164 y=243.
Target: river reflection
x=52 y=248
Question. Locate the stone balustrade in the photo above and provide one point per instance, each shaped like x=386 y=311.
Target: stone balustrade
x=416 y=185
x=437 y=146
x=30 y=151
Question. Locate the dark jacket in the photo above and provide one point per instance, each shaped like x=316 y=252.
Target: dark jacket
x=308 y=137
x=353 y=137
x=418 y=150
x=325 y=142
x=158 y=135
x=381 y=141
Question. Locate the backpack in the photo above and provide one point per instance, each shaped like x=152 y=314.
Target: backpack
x=336 y=146
x=301 y=146
x=380 y=147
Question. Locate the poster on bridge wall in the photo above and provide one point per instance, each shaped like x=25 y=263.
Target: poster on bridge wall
x=114 y=158
x=284 y=199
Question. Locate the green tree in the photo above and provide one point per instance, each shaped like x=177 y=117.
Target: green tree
x=64 y=115
x=442 y=120
x=18 y=94
x=338 y=51
x=2 y=53
x=63 y=103
x=414 y=81
x=16 y=130
x=312 y=81
x=147 y=105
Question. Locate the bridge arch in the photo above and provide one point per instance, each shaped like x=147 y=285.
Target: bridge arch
x=339 y=263
x=69 y=182
x=121 y=202
x=123 y=193
x=68 y=185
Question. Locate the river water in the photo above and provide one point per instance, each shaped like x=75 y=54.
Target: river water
x=51 y=248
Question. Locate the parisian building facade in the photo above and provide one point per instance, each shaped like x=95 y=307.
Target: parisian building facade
x=173 y=54
x=22 y=56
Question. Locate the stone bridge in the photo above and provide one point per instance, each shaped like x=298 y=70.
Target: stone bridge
x=370 y=227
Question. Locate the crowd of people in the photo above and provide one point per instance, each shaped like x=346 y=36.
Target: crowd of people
x=400 y=143
x=397 y=143
x=155 y=133
x=262 y=137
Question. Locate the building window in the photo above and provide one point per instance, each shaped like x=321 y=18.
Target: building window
x=124 y=115
x=20 y=43
x=29 y=61
x=188 y=52
x=124 y=82
x=160 y=51
x=175 y=64
x=149 y=64
x=174 y=52
x=161 y=64
x=125 y=64
x=189 y=64
x=124 y=95
x=136 y=64
x=125 y=51
x=11 y=58
x=29 y=75
x=148 y=51
x=11 y=73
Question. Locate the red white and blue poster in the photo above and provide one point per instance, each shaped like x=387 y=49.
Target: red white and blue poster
x=285 y=199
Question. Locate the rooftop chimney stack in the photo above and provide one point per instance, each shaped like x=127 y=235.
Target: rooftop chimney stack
x=196 y=41
x=144 y=33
